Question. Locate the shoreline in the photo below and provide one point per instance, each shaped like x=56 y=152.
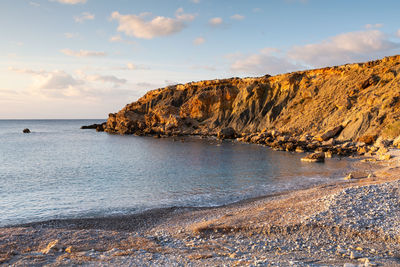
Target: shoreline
x=296 y=227
x=165 y=210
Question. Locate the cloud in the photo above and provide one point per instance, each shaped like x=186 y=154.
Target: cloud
x=34 y=4
x=132 y=66
x=82 y=53
x=70 y=35
x=71 y=2
x=199 y=41
x=182 y=16
x=116 y=39
x=84 y=16
x=106 y=79
x=344 y=48
x=237 y=17
x=372 y=26
x=215 y=22
x=398 y=33
x=267 y=61
x=60 y=84
x=140 y=26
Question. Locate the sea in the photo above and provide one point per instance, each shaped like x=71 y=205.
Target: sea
x=59 y=171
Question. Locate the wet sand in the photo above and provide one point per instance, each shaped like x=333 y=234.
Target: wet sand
x=347 y=222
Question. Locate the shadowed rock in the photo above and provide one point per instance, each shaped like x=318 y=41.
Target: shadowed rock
x=26 y=130
x=98 y=127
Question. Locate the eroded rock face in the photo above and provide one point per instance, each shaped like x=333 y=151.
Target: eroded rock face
x=345 y=102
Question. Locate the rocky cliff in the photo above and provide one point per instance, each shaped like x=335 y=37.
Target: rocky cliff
x=357 y=101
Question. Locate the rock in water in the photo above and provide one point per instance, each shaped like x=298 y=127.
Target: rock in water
x=227 y=133
x=26 y=130
x=99 y=127
x=314 y=157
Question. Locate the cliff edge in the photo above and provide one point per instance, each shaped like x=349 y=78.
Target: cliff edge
x=360 y=101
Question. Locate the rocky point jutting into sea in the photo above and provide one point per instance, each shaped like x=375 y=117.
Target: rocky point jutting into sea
x=299 y=111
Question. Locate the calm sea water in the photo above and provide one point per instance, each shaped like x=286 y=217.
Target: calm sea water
x=60 y=171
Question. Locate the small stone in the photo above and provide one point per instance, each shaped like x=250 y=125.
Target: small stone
x=69 y=249
x=349 y=177
x=51 y=246
x=385 y=157
x=232 y=255
x=314 y=157
x=355 y=255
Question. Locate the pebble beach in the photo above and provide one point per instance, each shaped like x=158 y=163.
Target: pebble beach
x=348 y=223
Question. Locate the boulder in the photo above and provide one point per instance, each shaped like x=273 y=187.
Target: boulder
x=314 y=157
x=227 y=133
x=94 y=126
x=381 y=142
x=367 y=139
x=26 y=130
x=396 y=142
x=332 y=133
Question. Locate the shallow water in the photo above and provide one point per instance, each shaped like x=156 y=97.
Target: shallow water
x=60 y=171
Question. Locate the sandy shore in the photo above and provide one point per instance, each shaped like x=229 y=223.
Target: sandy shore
x=351 y=222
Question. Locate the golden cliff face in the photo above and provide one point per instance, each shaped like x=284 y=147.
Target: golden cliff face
x=363 y=98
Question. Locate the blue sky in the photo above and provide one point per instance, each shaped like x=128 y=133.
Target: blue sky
x=86 y=58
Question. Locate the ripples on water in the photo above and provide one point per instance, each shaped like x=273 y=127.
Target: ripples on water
x=60 y=171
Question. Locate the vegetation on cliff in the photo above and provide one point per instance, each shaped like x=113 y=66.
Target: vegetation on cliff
x=360 y=101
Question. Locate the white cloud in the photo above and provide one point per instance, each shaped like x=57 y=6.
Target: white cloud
x=398 y=33
x=82 y=53
x=345 y=48
x=214 y=22
x=267 y=61
x=70 y=35
x=70 y=2
x=199 y=41
x=132 y=66
x=60 y=84
x=84 y=16
x=237 y=17
x=34 y=4
x=116 y=38
x=106 y=79
x=182 y=16
x=141 y=27
x=372 y=26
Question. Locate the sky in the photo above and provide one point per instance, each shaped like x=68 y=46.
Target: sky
x=72 y=59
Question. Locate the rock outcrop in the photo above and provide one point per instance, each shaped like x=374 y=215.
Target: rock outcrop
x=336 y=104
x=98 y=127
